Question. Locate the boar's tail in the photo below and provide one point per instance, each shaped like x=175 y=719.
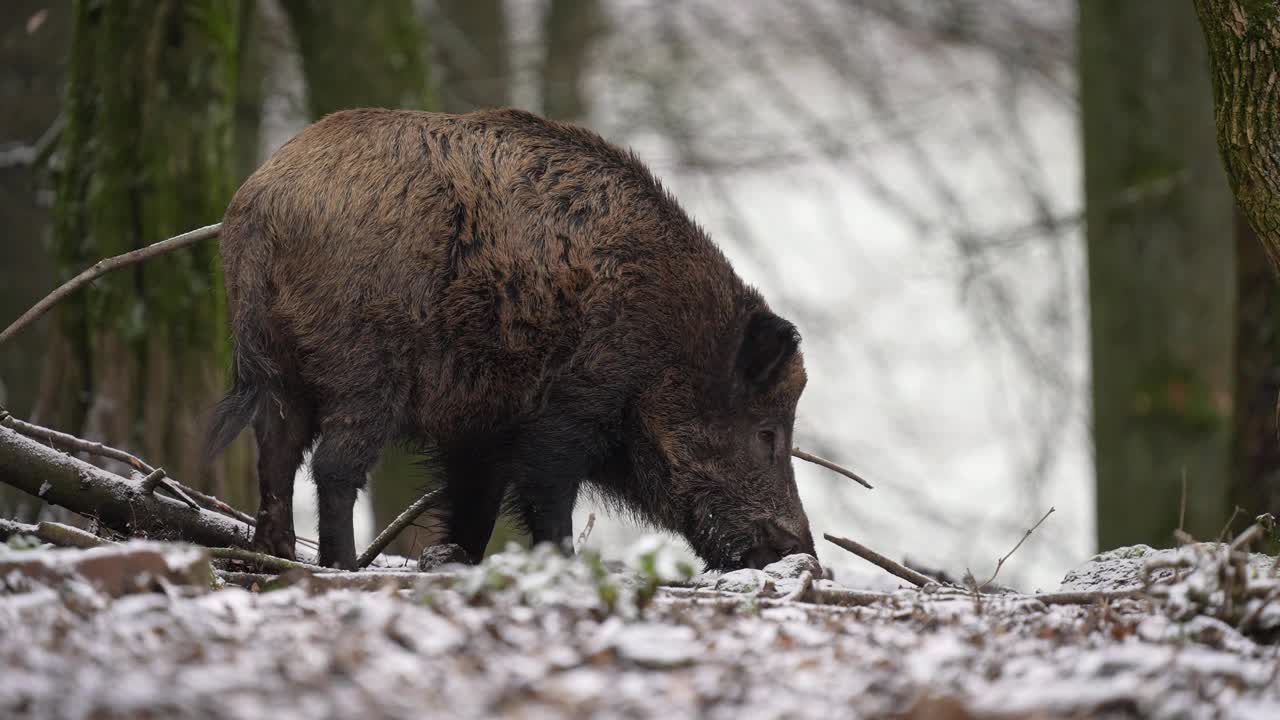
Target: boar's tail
x=253 y=374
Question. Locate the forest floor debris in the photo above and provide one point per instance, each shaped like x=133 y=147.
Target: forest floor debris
x=536 y=634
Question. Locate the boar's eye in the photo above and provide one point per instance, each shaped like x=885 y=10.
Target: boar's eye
x=768 y=441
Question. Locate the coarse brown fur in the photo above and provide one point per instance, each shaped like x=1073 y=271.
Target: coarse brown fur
x=528 y=300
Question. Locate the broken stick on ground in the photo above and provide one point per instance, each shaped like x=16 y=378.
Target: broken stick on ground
x=400 y=523
x=884 y=563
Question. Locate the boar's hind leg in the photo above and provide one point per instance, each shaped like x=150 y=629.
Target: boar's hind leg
x=340 y=466
x=283 y=429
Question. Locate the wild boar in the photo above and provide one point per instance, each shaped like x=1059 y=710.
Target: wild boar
x=527 y=299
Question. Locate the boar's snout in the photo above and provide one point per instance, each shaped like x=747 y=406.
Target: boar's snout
x=775 y=543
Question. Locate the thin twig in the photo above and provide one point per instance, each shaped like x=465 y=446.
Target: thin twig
x=808 y=457
x=1027 y=534
x=400 y=523
x=264 y=561
x=1222 y=536
x=104 y=266
x=73 y=442
x=586 y=532
x=875 y=558
x=1182 y=506
x=1248 y=620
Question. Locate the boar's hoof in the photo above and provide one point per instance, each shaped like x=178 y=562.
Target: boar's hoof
x=274 y=541
x=436 y=556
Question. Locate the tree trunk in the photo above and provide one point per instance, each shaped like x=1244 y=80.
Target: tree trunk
x=147 y=153
x=474 y=54
x=34 y=36
x=1244 y=57
x=570 y=30
x=1243 y=37
x=361 y=54
x=1161 y=269
x=369 y=55
x=1255 y=477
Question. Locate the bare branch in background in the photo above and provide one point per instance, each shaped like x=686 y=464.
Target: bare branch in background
x=103 y=267
x=797 y=452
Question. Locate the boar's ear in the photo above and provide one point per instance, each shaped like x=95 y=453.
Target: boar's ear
x=767 y=344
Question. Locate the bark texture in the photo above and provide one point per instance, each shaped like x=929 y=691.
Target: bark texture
x=65 y=481
x=1244 y=56
x=148 y=153
x=1243 y=37
x=1162 y=273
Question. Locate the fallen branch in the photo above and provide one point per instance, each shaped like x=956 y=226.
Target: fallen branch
x=68 y=536
x=53 y=533
x=884 y=563
x=264 y=561
x=154 y=476
x=363 y=580
x=797 y=452
x=400 y=523
x=1079 y=598
x=10 y=528
x=1000 y=562
x=105 y=266
x=117 y=503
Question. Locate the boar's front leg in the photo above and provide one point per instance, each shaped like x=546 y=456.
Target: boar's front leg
x=551 y=459
x=474 y=491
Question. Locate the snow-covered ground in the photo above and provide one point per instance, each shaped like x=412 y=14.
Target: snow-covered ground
x=535 y=635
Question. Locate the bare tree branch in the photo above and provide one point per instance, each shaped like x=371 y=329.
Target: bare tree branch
x=797 y=452
x=400 y=523
x=1000 y=562
x=104 y=266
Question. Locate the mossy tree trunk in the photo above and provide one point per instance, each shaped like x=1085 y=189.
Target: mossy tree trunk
x=369 y=55
x=1161 y=264
x=34 y=36
x=148 y=153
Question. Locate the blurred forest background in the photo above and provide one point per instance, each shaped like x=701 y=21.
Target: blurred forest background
x=1002 y=227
